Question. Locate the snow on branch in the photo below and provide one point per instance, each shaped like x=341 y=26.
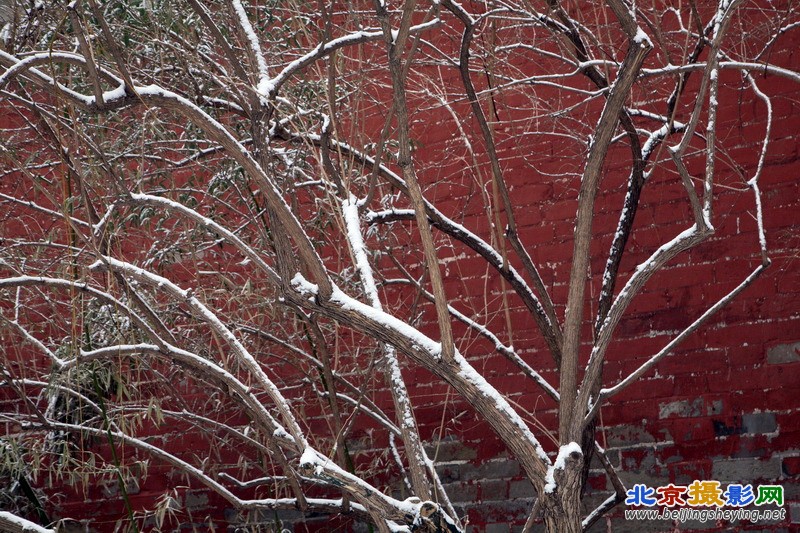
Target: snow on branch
x=204 y=313
x=16 y=524
x=248 y=251
x=233 y=200
x=462 y=375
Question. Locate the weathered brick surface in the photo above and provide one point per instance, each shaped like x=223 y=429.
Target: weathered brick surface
x=725 y=405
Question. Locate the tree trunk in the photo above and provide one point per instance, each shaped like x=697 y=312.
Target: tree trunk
x=561 y=508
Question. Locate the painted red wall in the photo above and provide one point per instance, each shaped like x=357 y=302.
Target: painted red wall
x=725 y=406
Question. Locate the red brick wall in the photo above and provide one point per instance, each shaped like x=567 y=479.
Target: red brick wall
x=725 y=405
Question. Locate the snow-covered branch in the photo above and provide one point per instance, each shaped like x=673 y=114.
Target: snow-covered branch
x=328 y=240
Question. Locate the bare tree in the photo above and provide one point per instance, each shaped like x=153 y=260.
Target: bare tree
x=230 y=218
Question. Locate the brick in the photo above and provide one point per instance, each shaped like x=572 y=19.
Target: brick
x=615 y=413
x=759 y=423
x=645 y=388
x=627 y=435
x=449 y=472
x=560 y=211
x=714 y=407
x=445 y=451
x=794 y=513
x=506 y=512
x=681 y=408
x=692 y=429
x=784 y=353
x=462 y=492
x=753 y=378
x=493 y=489
x=496 y=469
x=725 y=427
x=745 y=470
x=641 y=470
x=789 y=421
x=111 y=487
x=684 y=472
x=746 y=354
x=521 y=489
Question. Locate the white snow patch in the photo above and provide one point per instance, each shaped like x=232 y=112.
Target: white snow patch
x=310 y=457
x=25 y=525
x=304 y=287
x=642 y=39
x=563 y=452
x=353 y=225
x=351 y=304
x=395 y=528
x=266 y=87
x=244 y=21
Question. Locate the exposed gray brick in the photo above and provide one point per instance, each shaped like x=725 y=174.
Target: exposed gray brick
x=641 y=469
x=621 y=436
x=266 y=519
x=791 y=490
x=451 y=450
x=111 y=488
x=499 y=469
x=652 y=479
x=759 y=423
x=497 y=528
x=195 y=500
x=614 y=456
x=461 y=492
x=450 y=472
x=744 y=470
x=784 y=353
x=461 y=511
x=794 y=513
x=715 y=407
x=494 y=489
x=521 y=489
x=681 y=408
